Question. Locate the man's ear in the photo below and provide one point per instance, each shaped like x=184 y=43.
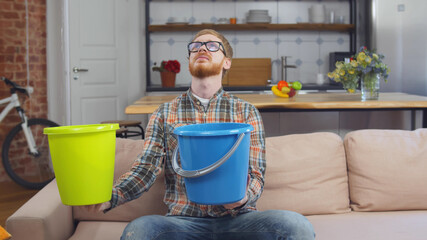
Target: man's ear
x=227 y=63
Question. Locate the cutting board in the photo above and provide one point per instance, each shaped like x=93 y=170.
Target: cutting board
x=248 y=72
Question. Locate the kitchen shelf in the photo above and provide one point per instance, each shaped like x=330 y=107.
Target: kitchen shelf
x=253 y=26
x=258 y=28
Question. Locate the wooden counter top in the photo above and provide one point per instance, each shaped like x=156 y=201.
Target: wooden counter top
x=309 y=101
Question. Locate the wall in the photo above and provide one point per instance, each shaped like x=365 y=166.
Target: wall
x=401 y=36
x=56 y=73
x=13 y=54
x=309 y=50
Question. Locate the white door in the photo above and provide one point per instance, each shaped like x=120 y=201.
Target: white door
x=98 y=38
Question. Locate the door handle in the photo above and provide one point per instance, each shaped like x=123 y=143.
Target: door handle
x=76 y=70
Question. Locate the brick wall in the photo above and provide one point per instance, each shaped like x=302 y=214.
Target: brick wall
x=13 y=63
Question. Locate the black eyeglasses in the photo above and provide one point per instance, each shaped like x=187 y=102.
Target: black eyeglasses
x=211 y=46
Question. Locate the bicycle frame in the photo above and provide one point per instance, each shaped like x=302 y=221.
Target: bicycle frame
x=13 y=101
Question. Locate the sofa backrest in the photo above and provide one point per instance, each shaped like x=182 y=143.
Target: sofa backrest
x=151 y=202
x=306 y=173
x=387 y=169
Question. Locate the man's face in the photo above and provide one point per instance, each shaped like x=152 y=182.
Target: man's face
x=205 y=63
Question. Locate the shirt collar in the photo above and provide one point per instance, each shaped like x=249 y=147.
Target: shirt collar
x=216 y=96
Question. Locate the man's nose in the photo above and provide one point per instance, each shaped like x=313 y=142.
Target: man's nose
x=203 y=48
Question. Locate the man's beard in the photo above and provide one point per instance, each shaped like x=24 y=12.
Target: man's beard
x=205 y=70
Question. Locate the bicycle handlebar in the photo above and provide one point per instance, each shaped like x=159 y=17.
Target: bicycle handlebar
x=14 y=86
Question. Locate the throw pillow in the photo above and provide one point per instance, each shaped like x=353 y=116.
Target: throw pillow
x=387 y=169
x=306 y=173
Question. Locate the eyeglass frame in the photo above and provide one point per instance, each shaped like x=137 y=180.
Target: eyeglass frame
x=204 y=43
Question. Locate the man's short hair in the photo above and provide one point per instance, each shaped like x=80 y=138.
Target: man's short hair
x=227 y=47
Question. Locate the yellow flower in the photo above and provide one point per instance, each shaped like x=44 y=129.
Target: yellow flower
x=375 y=56
x=368 y=59
x=338 y=64
x=353 y=63
x=361 y=57
x=330 y=75
x=342 y=72
x=336 y=77
x=351 y=90
x=351 y=71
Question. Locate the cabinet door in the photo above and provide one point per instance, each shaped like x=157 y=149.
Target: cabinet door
x=248 y=72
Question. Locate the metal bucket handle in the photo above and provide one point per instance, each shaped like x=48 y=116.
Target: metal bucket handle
x=205 y=170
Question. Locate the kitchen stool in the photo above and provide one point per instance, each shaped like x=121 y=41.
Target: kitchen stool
x=121 y=132
x=126 y=124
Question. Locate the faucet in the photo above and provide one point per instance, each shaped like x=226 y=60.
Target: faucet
x=285 y=66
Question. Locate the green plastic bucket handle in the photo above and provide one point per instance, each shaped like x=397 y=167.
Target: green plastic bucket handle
x=72 y=129
x=208 y=169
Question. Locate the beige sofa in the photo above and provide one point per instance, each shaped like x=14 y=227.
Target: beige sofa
x=371 y=185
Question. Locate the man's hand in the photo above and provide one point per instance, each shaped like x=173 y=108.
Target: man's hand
x=96 y=207
x=236 y=204
x=241 y=202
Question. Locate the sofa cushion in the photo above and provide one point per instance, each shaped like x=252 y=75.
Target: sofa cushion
x=387 y=169
x=306 y=173
x=396 y=225
x=151 y=202
x=95 y=230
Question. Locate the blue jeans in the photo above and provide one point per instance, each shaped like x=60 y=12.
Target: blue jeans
x=271 y=224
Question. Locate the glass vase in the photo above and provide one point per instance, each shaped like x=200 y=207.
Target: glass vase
x=370 y=86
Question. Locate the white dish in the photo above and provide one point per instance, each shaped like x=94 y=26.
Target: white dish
x=258 y=21
x=177 y=23
x=266 y=19
x=259 y=18
x=258 y=11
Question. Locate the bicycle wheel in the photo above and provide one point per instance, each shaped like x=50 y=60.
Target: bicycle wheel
x=29 y=170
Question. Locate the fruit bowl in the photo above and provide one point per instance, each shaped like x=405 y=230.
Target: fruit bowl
x=286 y=89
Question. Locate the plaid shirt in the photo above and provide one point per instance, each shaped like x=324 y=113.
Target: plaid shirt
x=160 y=143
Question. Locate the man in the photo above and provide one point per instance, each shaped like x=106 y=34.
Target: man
x=205 y=102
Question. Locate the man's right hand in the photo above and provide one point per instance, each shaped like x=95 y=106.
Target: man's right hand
x=96 y=207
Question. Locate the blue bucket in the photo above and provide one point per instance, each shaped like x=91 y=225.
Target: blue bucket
x=215 y=161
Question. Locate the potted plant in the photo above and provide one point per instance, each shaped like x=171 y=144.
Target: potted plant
x=168 y=70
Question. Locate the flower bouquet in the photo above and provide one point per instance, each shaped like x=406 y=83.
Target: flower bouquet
x=367 y=65
x=371 y=68
x=345 y=73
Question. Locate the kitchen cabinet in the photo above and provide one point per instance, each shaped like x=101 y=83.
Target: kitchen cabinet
x=257 y=28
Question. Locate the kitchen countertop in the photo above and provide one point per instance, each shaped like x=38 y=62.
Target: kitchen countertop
x=308 y=101
x=306 y=86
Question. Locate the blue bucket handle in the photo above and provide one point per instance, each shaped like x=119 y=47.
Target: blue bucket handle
x=205 y=170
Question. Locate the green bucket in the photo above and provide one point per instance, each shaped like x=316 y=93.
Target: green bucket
x=83 y=161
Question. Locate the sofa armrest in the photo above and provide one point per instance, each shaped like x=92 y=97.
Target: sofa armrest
x=43 y=217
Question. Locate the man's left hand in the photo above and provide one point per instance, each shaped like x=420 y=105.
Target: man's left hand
x=236 y=204
x=241 y=202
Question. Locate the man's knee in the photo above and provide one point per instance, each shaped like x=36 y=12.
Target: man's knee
x=291 y=224
x=147 y=227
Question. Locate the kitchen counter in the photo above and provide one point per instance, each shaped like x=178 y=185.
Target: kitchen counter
x=307 y=102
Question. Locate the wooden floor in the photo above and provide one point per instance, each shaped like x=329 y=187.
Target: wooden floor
x=12 y=196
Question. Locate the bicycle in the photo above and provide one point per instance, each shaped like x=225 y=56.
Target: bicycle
x=32 y=168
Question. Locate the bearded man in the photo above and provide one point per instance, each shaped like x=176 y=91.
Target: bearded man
x=205 y=102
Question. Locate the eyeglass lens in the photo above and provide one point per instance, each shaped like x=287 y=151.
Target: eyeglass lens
x=212 y=46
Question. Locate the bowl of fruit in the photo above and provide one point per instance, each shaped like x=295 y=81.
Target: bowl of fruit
x=286 y=89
